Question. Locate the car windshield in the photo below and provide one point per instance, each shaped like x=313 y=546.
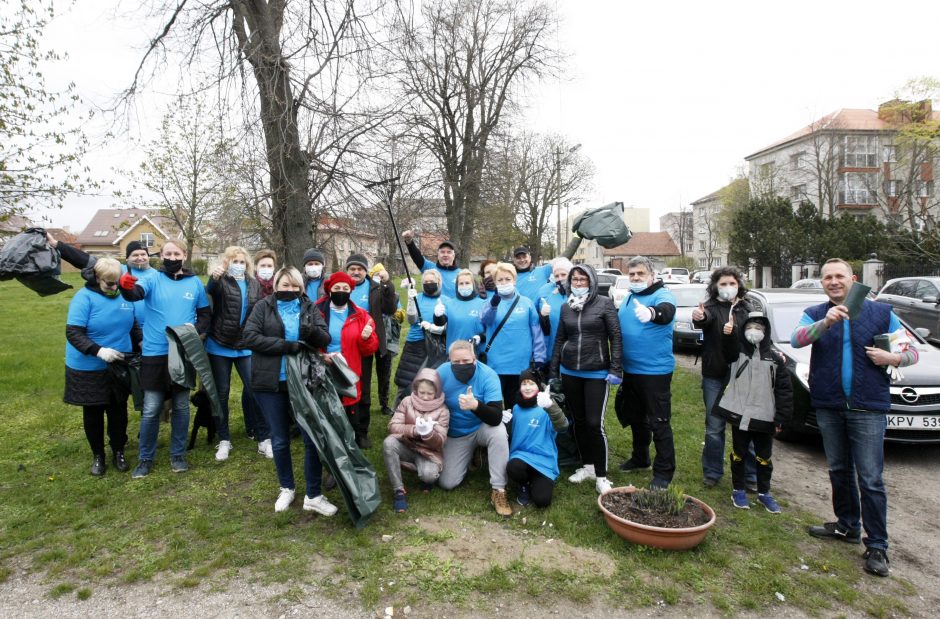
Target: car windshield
x=688 y=297
x=622 y=283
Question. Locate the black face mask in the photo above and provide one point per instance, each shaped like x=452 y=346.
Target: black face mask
x=287 y=295
x=525 y=402
x=488 y=283
x=464 y=372
x=172 y=266
x=562 y=287
x=430 y=289
x=339 y=298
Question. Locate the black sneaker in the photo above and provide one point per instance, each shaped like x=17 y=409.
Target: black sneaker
x=120 y=462
x=387 y=411
x=633 y=465
x=876 y=562
x=710 y=482
x=143 y=469
x=98 y=466
x=363 y=442
x=832 y=530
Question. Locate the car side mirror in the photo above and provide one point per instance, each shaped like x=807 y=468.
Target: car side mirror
x=931 y=299
x=921 y=331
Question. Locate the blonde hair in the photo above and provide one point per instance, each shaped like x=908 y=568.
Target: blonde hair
x=291 y=274
x=180 y=243
x=231 y=252
x=466 y=272
x=505 y=267
x=462 y=345
x=107 y=269
x=433 y=273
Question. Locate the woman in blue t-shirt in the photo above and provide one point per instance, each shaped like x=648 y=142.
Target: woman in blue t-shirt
x=464 y=311
x=100 y=329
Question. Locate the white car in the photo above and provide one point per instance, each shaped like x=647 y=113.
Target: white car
x=620 y=290
x=674 y=275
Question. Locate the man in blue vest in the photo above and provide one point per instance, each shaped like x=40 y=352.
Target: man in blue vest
x=849 y=389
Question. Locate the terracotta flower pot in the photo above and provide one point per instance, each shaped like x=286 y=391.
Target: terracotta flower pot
x=657 y=537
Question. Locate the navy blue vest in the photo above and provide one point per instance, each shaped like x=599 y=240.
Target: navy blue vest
x=870 y=383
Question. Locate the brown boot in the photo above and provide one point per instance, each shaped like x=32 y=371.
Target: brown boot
x=500 y=502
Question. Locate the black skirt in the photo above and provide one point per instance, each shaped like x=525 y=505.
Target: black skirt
x=155 y=375
x=90 y=388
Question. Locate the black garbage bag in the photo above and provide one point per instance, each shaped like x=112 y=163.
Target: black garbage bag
x=319 y=411
x=568 y=455
x=604 y=225
x=186 y=358
x=29 y=259
x=126 y=374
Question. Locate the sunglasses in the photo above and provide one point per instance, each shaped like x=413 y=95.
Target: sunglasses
x=110 y=284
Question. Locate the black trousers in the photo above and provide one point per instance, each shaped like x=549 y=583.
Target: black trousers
x=644 y=402
x=93 y=420
x=383 y=374
x=365 y=401
x=763 y=442
x=510 y=387
x=587 y=401
x=540 y=487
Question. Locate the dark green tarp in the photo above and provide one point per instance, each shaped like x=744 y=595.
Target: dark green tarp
x=604 y=225
x=186 y=358
x=319 y=411
x=28 y=258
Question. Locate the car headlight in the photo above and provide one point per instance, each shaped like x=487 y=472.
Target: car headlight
x=684 y=326
x=802 y=373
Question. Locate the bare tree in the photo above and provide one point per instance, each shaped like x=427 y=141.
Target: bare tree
x=463 y=64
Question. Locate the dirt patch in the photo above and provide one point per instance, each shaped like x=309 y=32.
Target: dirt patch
x=623 y=505
x=478 y=545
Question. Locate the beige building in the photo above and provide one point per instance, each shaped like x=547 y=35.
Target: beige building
x=589 y=252
x=110 y=230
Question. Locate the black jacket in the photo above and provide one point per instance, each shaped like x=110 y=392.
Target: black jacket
x=382 y=300
x=714 y=364
x=264 y=335
x=590 y=339
x=226 y=326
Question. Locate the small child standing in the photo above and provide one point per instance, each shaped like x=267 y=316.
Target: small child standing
x=533 y=455
x=416 y=435
x=757 y=402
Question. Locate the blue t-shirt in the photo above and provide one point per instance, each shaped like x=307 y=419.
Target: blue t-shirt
x=647 y=347
x=555 y=299
x=533 y=440
x=313 y=288
x=520 y=340
x=486 y=388
x=337 y=320
x=140 y=310
x=214 y=348
x=426 y=305
x=529 y=284
x=289 y=311
x=169 y=303
x=448 y=278
x=893 y=325
x=463 y=319
x=360 y=295
x=107 y=321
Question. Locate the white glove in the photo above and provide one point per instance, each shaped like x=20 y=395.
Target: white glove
x=423 y=426
x=507 y=416
x=643 y=313
x=412 y=293
x=439 y=309
x=109 y=354
x=546 y=309
x=427 y=326
x=544 y=398
x=475 y=340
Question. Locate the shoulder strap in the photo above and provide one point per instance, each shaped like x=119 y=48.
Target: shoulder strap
x=501 y=323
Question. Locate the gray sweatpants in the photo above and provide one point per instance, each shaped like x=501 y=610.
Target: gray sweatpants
x=396 y=452
x=459 y=450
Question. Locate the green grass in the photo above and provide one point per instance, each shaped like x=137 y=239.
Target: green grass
x=216 y=523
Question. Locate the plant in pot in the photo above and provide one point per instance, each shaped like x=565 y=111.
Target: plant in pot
x=658 y=517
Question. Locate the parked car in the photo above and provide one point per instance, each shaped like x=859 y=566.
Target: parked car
x=611 y=271
x=806 y=283
x=688 y=296
x=620 y=290
x=915 y=399
x=700 y=277
x=674 y=275
x=917 y=301
x=604 y=282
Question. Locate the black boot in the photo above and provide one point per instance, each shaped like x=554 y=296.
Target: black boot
x=120 y=463
x=98 y=466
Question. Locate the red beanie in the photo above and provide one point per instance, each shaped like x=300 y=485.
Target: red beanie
x=336 y=278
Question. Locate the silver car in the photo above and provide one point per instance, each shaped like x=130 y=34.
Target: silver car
x=916 y=300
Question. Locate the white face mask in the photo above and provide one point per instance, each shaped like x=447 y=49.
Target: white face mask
x=727 y=293
x=638 y=286
x=377 y=279
x=465 y=291
x=579 y=291
x=754 y=336
x=265 y=273
x=505 y=290
x=236 y=270
x=313 y=271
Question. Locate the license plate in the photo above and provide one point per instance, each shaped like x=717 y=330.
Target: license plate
x=914 y=422
x=701 y=336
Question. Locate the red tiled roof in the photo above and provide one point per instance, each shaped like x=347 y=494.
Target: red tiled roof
x=63 y=235
x=14 y=224
x=108 y=224
x=646 y=244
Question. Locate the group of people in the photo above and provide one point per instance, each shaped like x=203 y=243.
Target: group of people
x=513 y=332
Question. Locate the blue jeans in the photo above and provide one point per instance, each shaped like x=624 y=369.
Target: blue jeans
x=854 y=444
x=150 y=423
x=713 y=453
x=275 y=406
x=255 y=425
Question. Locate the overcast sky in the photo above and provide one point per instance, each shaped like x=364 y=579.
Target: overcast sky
x=666 y=98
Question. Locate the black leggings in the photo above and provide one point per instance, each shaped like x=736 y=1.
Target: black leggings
x=509 y=383
x=587 y=401
x=540 y=487
x=93 y=420
x=763 y=448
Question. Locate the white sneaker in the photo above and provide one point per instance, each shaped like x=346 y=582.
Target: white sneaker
x=284 y=499
x=585 y=473
x=264 y=448
x=602 y=485
x=319 y=504
x=223 y=450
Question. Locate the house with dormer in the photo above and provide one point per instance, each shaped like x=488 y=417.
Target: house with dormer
x=110 y=230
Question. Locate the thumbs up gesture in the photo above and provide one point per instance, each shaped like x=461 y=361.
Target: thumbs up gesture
x=699 y=312
x=367 y=331
x=729 y=326
x=643 y=314
x=546 y=308
x=439 y=309
x=544 y=398
x=466 y=400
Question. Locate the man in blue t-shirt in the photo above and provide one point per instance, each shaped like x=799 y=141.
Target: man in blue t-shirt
x=475 y=401
x=446 y=262
x=529 y=278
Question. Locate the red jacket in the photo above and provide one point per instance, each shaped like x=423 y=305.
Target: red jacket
x=353 y=347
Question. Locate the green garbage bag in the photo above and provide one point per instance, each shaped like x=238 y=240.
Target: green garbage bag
x=568 y=455
x=126 y=373
x=604 y=225
x=320 y=413
x=186 y=358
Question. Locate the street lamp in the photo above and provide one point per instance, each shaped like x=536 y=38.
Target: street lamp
x=558 y=187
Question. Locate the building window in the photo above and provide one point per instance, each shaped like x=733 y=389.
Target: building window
x=795 y=160
x=146 y=239
x=688 y=247
x=101 y=233
x=716 y=262
x=922 y=189
x=889 y=153
x=797 y=194
x=892 y=188
x=703 y=263
x=854 y=189
x=701 y=245
x=860 y=151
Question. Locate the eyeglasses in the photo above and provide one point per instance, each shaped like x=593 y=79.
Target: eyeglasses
x=110 y=284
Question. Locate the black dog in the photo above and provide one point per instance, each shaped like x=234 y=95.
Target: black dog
x=204 y=418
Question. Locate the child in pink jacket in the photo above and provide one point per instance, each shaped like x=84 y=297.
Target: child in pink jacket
x=416 y=435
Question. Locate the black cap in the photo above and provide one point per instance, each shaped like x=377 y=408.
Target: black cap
x=530 y=374
x=520 y=250
x=132 y=247
x=357 y=259
x=315 y=255
x=447 y=243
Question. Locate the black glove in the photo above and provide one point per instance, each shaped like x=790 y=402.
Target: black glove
x=494 y=301
x=292 y=348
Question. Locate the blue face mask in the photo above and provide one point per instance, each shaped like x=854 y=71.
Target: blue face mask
x=638 y=286
x=578 y=291
x=236 y=270
x=506 y=289
x=465 y=291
